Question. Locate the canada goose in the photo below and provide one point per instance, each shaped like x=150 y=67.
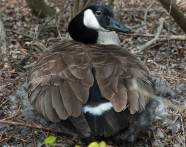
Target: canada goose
x=92 y=81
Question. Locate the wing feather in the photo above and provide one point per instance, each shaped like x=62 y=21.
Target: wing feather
x=49 y=110
x=57 y=102
x=71 y=103
x=42 y=103
x=38 y=100
x=133 y=101
x=122 y=79
x=59 y=83
x=119 y=100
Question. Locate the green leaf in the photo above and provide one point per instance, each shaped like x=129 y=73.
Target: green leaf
x=50 y=140
x=102 y=144
x=93 y=144
x=77 y=146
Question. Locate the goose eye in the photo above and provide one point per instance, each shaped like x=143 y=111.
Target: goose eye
x=98 y=13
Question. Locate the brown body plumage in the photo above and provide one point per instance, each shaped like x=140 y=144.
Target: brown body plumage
x=94 y=86
x=60 y=81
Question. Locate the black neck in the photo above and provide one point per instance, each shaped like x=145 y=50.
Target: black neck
x=79 y=32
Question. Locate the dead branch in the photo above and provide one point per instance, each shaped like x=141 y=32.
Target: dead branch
x=168 y=103
x=149 y=43
x=19 y=33
x=142 y=10
x=147 y=11
x=161 y=37
x=3 y=46
x=86 y=3
x=181 y=4
x=35 y=126
x=78 y=5
x=40 y=8
x=174 y=37
x=171 y=7
x=110 y=2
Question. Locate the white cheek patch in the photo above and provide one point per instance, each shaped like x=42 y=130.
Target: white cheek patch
x=90 y=21
x=97 y=110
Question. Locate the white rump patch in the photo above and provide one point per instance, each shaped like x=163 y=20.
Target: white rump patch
x=90 y=20
x=97 y=110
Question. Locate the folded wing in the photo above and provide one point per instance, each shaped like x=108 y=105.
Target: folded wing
x=59 y=85
x=122 y=79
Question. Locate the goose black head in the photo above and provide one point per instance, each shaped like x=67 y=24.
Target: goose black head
x=96 y=24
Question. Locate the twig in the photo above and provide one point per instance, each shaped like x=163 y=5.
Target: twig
x=147 y=11
x=3 y=44
x=39 y=45
x=161 y=37
x=110 y=2
x=57 y=27
x=4 y=139
x=174 y=37
x=142 y=10
x=181 y=4
x=175 y=12
x=41 y=8
x=34 y=139
x=14 y=115
x=6 y=100
x=76 y=7
x=182 y=125
x=19 y=33
x=183 y=129
x=34 y=126
x=40 y=28
x=175 y=78
x=29 y=65
x=149 y=43
x=87 y=3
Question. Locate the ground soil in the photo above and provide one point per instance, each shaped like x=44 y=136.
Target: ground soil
x=28 y=36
